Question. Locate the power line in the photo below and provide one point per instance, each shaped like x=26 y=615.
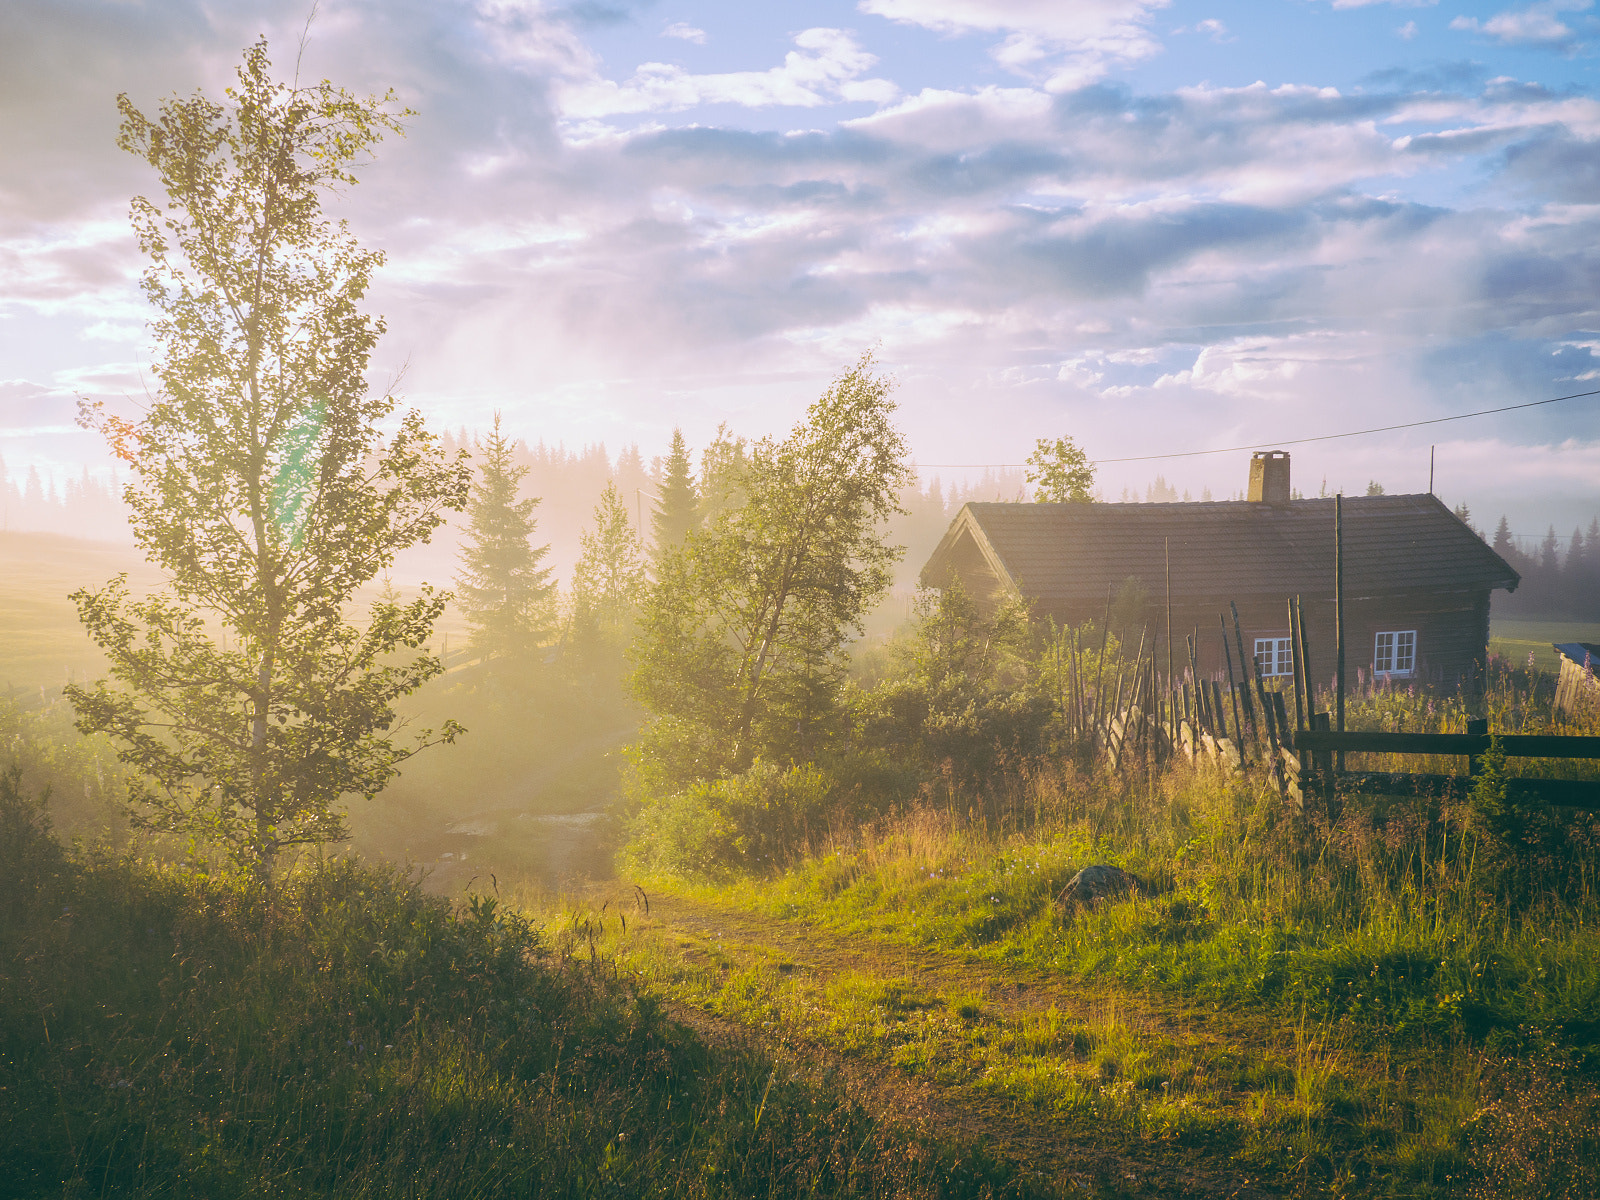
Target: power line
x=1327 y=437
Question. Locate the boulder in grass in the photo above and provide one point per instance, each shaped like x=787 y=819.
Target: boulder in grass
x=1098 y=882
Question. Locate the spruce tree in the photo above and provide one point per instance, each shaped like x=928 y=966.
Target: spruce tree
x=677 y=510
x=1573 y=569
x=506 y=596
x=1503 y=545
x=1546 y=576
x=608 y=582
x=1550 y=554
x=1589 y=587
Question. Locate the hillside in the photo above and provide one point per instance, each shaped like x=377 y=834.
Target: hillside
x=165 y=1033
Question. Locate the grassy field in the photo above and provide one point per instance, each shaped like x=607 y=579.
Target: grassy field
x=1398 y=996
x=1517 y=637
x=41 y=642
x=1336 y=1023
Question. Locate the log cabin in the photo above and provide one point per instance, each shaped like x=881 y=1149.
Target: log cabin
x=1417 y=579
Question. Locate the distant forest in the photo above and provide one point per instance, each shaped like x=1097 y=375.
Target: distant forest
x=568 y=484
x=1557 y=580
x=1560 y=577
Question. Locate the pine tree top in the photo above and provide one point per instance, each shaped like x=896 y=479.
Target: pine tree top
x=677 y=509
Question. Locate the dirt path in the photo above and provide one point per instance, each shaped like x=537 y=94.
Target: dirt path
x=1039 y=1145
x=1076 y=1163
x=1010 y=990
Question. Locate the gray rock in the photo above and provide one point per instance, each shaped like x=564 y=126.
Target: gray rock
x=1098 y=882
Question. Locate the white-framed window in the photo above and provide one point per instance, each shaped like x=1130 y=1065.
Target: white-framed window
x=1274 y=657
x=1395 y=653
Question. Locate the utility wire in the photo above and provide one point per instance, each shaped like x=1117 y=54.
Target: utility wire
x=1327 y=437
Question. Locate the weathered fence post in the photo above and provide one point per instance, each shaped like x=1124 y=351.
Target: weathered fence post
x=1233 y=694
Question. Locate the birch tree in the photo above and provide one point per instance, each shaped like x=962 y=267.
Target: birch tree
x=266 y=479
x=1060 y=472
x=743 y=638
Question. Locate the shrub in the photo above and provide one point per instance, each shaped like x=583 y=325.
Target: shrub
x=754 y=822
x=79 y=778
x=869 y=785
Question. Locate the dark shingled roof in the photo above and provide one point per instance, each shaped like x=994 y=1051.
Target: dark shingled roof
x=1068 y=553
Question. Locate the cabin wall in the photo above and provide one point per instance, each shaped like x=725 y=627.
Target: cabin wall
x=968 y=563
x=1452 y=633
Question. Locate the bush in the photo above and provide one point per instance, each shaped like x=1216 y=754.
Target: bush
x=1527 y=848
x=79 y=777
x=757 y=821
x=970 y=697
x=871 y=784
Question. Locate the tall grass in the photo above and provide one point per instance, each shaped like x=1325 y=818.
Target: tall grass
x=1390 y=915
x=166 y=1032
x=1404 y=913
x=1422 y=937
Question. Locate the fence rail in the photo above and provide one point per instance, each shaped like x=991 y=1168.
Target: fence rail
x=1560 y=793
x=1513 y=745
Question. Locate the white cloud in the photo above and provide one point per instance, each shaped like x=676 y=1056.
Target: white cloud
x=685 y=32
x=1536 y=25
x=1218 y=264
x=1062 y=45
x=1407 y=31
x=825 y=68
x=1396 y=3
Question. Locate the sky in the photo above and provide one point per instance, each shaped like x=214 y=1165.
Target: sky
x=1152 y=227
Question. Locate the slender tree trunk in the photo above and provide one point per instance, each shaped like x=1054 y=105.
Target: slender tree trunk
x=747 y=712
x=266 y=815
x=781 y=597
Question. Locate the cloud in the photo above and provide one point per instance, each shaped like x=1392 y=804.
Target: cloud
x=1217 y=30
x=685 y=32
x=1407 y=31
x=1556 y=164
x=1396 y=3
x=1536 y=25
x=1061 y=45
x=825 y=69
x=1218 y=263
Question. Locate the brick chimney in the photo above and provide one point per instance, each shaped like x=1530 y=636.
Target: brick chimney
x=1269 y=477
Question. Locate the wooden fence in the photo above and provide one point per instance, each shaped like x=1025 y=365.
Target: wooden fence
x=1191 y=715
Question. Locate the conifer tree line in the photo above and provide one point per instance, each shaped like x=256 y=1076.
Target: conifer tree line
x=1561 y=578
x=87 y=506
x=662 y=499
